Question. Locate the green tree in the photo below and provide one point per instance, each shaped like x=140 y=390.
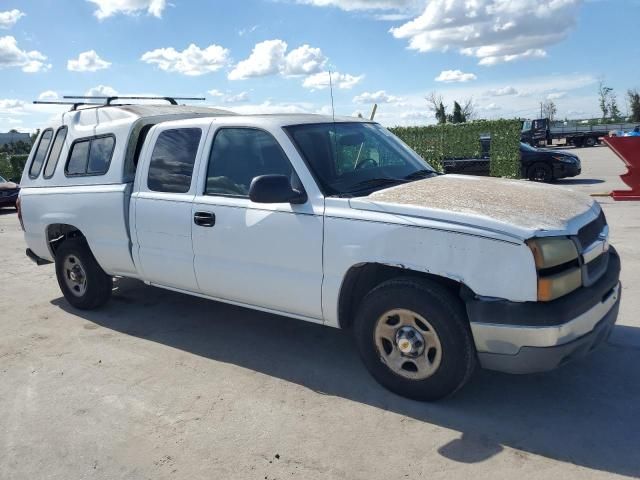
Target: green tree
x=458 y=116
x=604 y=94
x=634 y=104
x=614 y=111
x=549 y=109
x=441 y=114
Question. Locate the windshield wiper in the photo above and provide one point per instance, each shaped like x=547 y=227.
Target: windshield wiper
x=420 y=174
x=375 y=182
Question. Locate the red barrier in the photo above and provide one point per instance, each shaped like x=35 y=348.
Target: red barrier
x=628 y=149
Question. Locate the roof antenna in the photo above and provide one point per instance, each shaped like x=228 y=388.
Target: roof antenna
x=333 y=110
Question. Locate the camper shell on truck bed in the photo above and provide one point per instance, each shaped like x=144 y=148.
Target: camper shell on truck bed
x=328 y=220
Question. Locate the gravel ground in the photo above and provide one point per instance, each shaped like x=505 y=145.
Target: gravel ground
x=162 y=385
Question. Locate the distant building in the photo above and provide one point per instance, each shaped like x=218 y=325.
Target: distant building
x=13 y=137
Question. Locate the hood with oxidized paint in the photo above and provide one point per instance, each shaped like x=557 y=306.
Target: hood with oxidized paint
x=517 y=207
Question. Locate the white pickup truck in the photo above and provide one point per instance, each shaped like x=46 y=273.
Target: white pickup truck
x=333 y=221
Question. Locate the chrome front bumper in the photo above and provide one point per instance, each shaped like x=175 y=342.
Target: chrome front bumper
x=509 y=339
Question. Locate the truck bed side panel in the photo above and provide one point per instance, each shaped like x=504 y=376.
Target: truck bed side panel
x=96 y=210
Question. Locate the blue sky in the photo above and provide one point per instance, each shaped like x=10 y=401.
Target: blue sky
x=274 y=55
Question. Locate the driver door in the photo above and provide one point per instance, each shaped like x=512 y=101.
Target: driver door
x=263 y=255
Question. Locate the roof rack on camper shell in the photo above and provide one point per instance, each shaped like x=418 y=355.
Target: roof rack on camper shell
x=108 y=100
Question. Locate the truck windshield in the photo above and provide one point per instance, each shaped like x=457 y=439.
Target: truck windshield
x=350 y=159
x=526 y=125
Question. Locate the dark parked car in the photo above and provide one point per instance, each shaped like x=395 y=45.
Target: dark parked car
x=538 y=164
x=8 y=193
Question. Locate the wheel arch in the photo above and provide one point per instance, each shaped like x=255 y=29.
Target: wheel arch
x=56 y=233
x=362 y=278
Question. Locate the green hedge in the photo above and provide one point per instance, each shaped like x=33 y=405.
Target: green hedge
x=11 y=166
x=437 y=142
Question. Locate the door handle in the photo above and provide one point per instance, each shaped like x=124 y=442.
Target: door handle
x=204 y=219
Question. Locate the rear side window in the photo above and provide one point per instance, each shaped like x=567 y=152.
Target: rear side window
x=172 y=160
x=54 y=153
x=100 y=155
x=90 y=156
x=41 y=152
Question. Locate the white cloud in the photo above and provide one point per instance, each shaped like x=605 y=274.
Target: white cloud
x=493 y=31
x=352 y=5
x=88 y=61
x=269 y=107
x=556 y=95
x=489 y=107
x=10 y=105
x=107 y=8
x=237 y=98
x=49 y=95
x=101 y=91
x=9 y=18
x=270 y=57
x=321 y=80
x=244 y=31
x=229 y=97
x=501 y=92
x=449 y=76
x=12 y=56
x=375 y=97
x=265 y=59
x=191 y=61
x=304 y=60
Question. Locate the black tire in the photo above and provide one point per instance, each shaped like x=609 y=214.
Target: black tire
x=540 y=172
x=590 y=142
x=446 y=316
x=98 y=286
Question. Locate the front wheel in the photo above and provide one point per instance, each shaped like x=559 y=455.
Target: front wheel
x=414 y=338
x=82 y=281
x=540 y=172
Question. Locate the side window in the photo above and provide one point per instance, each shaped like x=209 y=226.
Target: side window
x=41 y=152
x=90 y=156
x=100 y=155
x=78 y=157
x=54 y=153
x=238 y=156
x=172 y=160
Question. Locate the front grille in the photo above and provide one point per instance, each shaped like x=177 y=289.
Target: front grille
x=595 y=269
x=589 y=233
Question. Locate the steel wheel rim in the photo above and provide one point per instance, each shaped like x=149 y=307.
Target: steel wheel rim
x=390 y=339
x=75 y=276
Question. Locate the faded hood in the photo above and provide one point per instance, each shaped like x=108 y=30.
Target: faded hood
x=516 y=207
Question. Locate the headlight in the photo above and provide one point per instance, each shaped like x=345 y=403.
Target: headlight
x=566 y=159
x=552 y=251
x=548 y=254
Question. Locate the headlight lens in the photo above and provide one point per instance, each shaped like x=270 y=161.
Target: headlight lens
x=555 y=286
x=552 y=252
x=566 y=159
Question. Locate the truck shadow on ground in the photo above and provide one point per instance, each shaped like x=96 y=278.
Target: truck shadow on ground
x=7 y=211
x=586 y=413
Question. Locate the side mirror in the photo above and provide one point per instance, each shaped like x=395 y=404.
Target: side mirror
x=275 y=189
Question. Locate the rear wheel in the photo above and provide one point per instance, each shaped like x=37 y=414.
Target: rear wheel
x=540 y=172
x=83 y=283
x=414 y=338
x=590 y=142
